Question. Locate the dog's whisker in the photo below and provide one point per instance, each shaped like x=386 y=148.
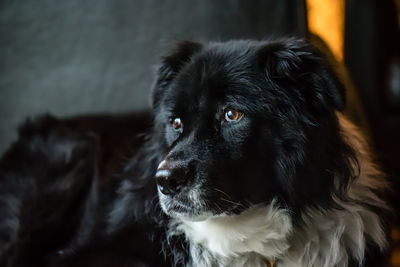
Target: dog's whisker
x=222 y=192
x=217 y=207
x=232 y=202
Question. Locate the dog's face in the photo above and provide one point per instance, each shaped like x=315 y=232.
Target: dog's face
x=240 y=123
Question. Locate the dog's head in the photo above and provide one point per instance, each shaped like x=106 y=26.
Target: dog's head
x=243 y=122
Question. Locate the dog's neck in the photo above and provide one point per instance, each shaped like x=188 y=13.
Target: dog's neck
x=262 y=233
x=251 y=238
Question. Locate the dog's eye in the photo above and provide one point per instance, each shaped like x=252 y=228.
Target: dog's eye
x=177 y=123
x=233 y=115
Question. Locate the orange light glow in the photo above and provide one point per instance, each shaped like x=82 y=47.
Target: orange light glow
x=326 y=19
x=395 y=258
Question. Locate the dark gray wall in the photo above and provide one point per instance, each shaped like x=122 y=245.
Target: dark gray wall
x=88 y=56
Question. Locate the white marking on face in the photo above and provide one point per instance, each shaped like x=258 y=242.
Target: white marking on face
x=161 y=165
x=163 y=173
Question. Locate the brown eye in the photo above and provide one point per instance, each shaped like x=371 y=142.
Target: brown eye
x=233 y=115
x=177 y=123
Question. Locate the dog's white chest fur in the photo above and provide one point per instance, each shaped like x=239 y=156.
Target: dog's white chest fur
x=248 y=239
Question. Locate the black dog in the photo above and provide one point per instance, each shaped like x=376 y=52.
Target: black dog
x=249 y=162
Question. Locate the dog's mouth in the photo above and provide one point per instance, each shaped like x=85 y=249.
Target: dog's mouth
x=188 y=205
x=193 y=205
x=181 y=207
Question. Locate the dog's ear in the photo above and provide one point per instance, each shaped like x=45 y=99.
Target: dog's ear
x=297 y=63
x=171 y=64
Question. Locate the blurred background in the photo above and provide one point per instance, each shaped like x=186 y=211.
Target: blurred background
x=98 y=56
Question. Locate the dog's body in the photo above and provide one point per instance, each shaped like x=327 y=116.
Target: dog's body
x=249 y=161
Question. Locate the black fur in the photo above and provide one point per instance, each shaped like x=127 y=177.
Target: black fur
x=287 y=139
x=46 y=184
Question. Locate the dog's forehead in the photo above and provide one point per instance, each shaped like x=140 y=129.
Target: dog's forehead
x=214 y=76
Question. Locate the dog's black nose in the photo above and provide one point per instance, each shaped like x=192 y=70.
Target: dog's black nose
x=170 y=179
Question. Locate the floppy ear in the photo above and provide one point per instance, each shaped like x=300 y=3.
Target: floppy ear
x=301 y=65
x=171 y=64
